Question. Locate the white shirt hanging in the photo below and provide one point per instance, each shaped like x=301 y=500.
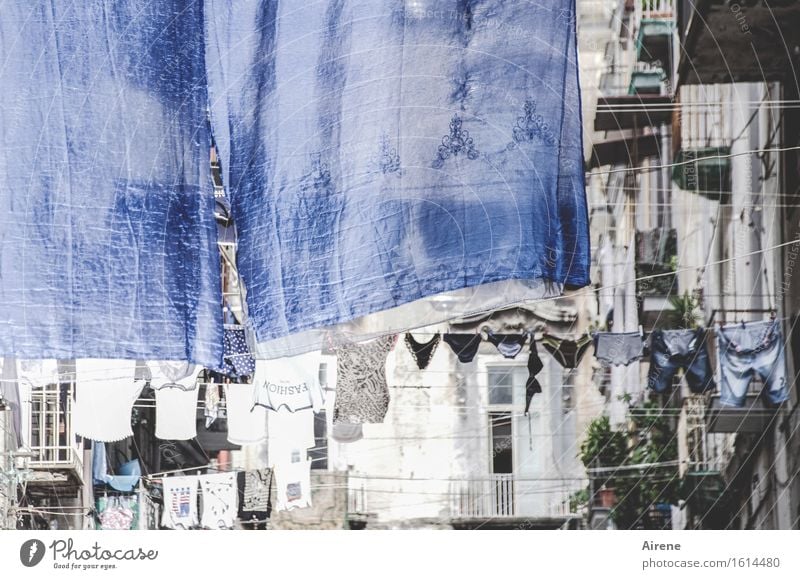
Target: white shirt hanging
x=247 y=421
x=219 y=500
x=290 y=433
x=293 y=481
x=104 y=397
x=291 y=383
x=180 y=502
x=175 y=385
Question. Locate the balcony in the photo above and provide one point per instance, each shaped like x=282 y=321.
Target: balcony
x=503 y=501
x=656 y=252
x=654 y=25
x=705 y=171
x=57 y=461
x=484 y=498
x=752 y=418
x=646 y=82
x=746 y=41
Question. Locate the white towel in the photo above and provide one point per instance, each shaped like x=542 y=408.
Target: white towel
x=180 y=502
x=175 y=385
x=293 y=480
x=219 y=499
x=104 y=397
x=247 y=422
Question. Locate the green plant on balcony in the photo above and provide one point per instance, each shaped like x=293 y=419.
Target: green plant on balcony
x=686 y=311
x=648 y=440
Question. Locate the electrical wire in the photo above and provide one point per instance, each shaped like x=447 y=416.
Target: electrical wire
x=689 y=162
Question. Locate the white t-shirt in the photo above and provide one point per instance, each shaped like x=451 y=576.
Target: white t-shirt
x=180 y=502
x=293 y=480
x=289 y=433
x=219 y=500
x=247 y=422
x=104 y=395
x=291 y=383
x=175 y=385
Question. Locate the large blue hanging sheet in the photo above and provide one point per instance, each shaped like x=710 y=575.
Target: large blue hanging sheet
x=107 y=233
x=380 y=152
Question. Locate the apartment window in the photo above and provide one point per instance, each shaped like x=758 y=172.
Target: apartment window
x=502 y=442
x=503 y=381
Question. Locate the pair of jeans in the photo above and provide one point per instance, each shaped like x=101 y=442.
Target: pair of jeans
x=674 y=349
x=748 y=350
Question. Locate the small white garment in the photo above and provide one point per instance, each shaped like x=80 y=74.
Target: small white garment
x=293 y=481
x=289 y=433
x=175 y=385
x=105 y=391
x=219 y=500
x=291 y=383
x=38 y=373
x=180 y=502
x=247 y=422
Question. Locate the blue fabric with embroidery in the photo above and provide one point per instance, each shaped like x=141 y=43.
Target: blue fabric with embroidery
x=376 y=155
x=107 y=234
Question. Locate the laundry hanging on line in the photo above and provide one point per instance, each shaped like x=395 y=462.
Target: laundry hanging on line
x=566 y=352
x=247 y=421
x=422 y=352
x=219 y=500
x=109 y=246
x=180 y=502
x=362 y=394
x=105 y=391
x=293 y=483
x=671 y=350
x=618 y=349
x=255 y=495
x=176 y=391
x=291 y=383
x=747 y=351
x=105 y=197
x=404 y=196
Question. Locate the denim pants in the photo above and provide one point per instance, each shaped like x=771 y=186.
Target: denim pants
x=752 y=349
x=674 y=349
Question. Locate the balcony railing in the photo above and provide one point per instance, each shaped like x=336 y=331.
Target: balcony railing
x=483 y=498
x=652 y=9
x=50 y=435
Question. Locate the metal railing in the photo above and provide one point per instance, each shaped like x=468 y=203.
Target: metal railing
x=489 y=497
x=651 y=9
x=50 y=435
x=356 y=498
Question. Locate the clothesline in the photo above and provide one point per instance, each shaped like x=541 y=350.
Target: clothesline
x=697 y=160
x=586 y=290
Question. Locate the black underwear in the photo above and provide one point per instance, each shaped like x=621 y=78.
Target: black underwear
x=422 y=353
x=532 y=385
x=509 y=345
x=568 y=353
x=465 y=346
